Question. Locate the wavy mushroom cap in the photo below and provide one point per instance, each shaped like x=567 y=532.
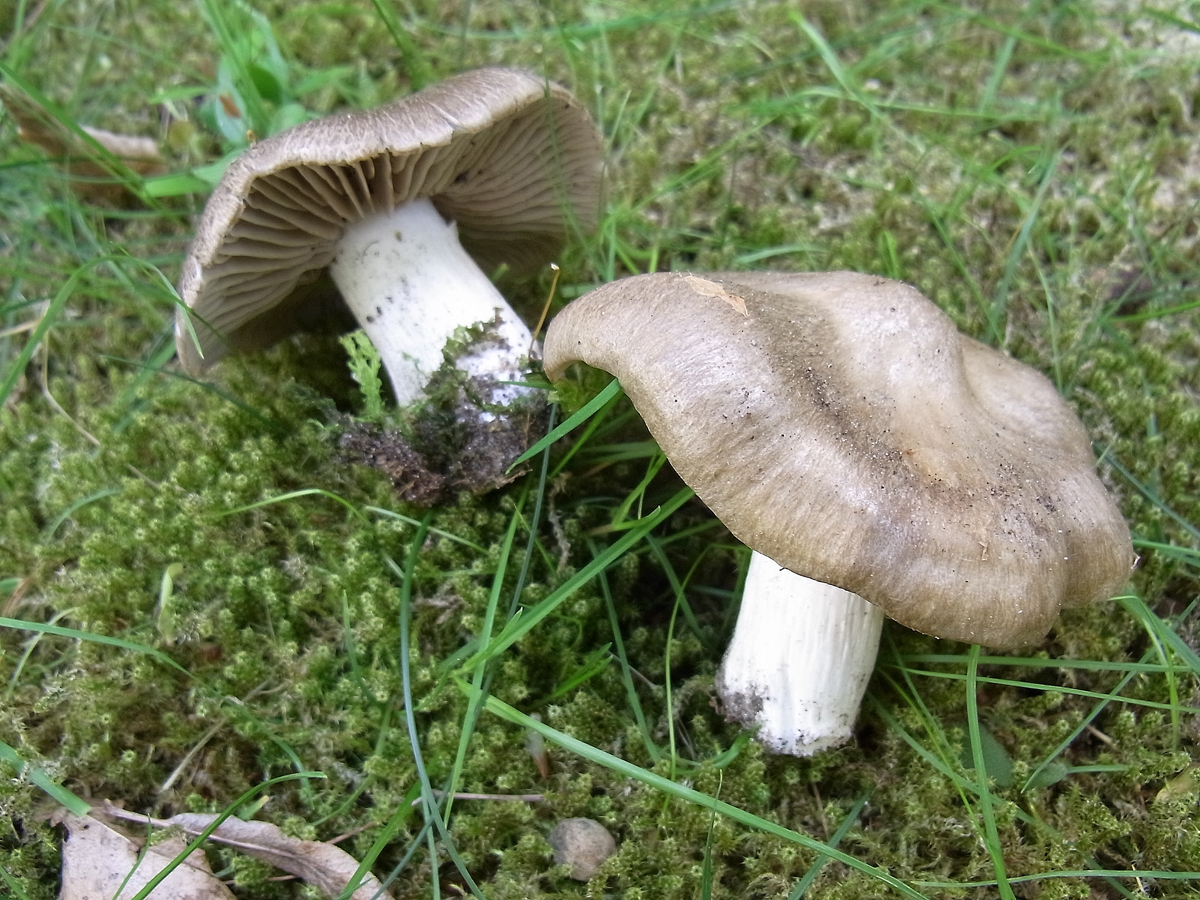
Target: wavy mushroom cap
x=841 y=425
x=514 y=160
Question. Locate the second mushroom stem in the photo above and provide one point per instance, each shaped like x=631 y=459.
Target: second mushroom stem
x=411 y=285
x=800 y=659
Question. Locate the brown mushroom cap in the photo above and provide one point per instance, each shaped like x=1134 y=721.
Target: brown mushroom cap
x=512 y=159
x=841 y=425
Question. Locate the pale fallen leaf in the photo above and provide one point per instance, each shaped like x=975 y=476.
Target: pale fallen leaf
x=712 y=289
x=80 y=159
x=322 y=865
x=98 y=861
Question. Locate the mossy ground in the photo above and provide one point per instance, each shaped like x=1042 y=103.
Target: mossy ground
x=1034 y=168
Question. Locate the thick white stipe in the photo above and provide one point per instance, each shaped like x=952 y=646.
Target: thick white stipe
x=410 y=285
x=800 y=659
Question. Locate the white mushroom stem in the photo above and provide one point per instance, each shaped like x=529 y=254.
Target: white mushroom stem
x=800 y=659
x=411 y=285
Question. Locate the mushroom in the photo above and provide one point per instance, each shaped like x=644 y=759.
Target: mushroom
x=379 y=201
x=840 y=426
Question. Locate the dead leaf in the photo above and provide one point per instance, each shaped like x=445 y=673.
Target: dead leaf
x=230 y=107
x=322 y=865
x=93 y=176
x=712 y=289
x=98 y=861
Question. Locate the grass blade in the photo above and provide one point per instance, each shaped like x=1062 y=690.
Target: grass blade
x=124 y=644
x=687 y=794
x=56 y=791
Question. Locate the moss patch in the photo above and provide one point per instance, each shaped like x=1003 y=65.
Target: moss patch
x=1032 y=168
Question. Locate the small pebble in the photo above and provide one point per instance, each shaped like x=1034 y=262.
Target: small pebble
x=582 y=844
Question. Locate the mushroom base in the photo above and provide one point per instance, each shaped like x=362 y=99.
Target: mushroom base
x=452 y=348
x=800 y=659
x=449 y=444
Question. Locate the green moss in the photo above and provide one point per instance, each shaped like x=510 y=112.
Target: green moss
x=1031 y=168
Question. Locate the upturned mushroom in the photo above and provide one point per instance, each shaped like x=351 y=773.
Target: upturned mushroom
x=840 y=426
x=401 y=206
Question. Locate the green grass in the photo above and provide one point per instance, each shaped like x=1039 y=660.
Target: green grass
x=198 y=595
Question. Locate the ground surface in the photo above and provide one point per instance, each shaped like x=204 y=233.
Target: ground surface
x=201 y=593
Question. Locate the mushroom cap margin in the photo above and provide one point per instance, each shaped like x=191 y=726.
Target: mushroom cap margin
x=841 y=425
